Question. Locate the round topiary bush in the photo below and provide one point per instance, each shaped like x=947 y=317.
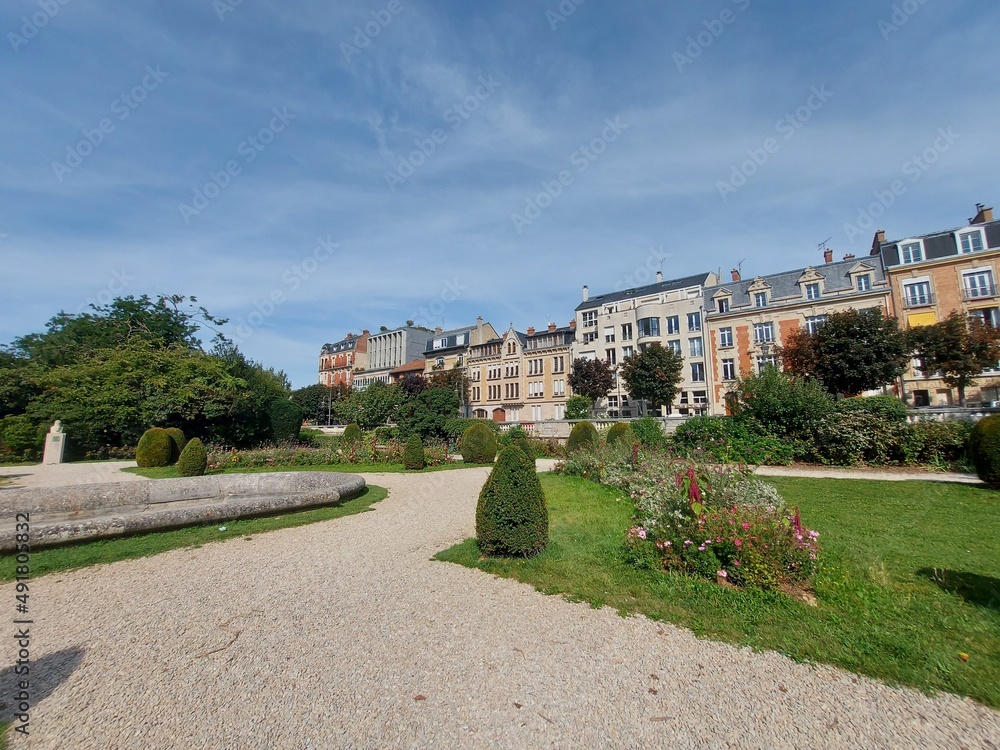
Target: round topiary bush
x=511 y=517
x=286 y=420
x=155 y=448
x=621 y=432
x=193 y=460
x=584 y=437
x=178 y=440
x=413 y=456
x=352 y=434
x=479 y=445
x=984 y=449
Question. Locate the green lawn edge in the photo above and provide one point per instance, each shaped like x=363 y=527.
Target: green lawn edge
x=880 y=612
x=170 y=472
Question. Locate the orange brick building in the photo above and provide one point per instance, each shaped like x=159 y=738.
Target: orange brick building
x=337 y=362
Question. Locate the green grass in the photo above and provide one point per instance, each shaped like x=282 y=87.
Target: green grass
x=84 y=554
x=909 y=579
x=170 y=472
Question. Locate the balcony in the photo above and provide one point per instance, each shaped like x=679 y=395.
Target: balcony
x=918 y=300
x=979 y=292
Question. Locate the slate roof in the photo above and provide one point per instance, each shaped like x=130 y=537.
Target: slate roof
x=663 y=286
x=451 y=340
x=347 y=345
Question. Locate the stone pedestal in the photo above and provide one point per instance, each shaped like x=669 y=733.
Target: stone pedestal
x=55 y=444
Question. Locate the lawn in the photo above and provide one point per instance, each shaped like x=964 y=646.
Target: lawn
x=84 y=554
x=170 y=472
x=909 y=581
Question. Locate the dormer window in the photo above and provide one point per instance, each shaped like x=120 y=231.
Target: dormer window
x=812 y=291
x=971 y=242
x=760 y=299
x=864 y=282
x=724 y=305
x=911 y=252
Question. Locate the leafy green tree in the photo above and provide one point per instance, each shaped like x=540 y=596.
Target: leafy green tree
x=853 y=351
x=427 y=414
x=780 y=404
x=372 y=407
x=653 y=375
x=413 y=384
x=592 y=378
x=578 y=407
x=958 y=347
x=456 y=380
x=318 y=402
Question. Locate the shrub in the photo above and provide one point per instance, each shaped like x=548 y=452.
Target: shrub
x=777 y=403
x=648 y=431
x=621 y=432
x=178 y=441
x=193 y=460
x=577 y=407
x=984 y=449
x=286 y=420
x=943 y=444
x=518 y=436
x=479 y=445
x=155 y=448
x=413 y=457
x=352 y=434
x=511 y=517
x=888 y=408
x=20 y=436
x=455 y=428
x=725 y=440
x=546 y=447
x=382 y=434
x=583 y=437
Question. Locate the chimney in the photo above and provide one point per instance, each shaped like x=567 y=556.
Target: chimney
x=552 y=327
x=586 y=293
x=350 y=336
x=438 y=329
x=365 y=332
x=572 y=324
x=659 y=277
x=983 y=215
x=531 y=331
x=849 y=256
x=878 y=241
x=828 y=255
x=736 y=275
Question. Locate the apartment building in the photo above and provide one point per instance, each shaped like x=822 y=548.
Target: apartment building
x=388 y=350
x=616 y=325
x=450 y=349
x=337 y=362
x=933 y=275
x=746 y=319
x=496 y=382
x=547 y=359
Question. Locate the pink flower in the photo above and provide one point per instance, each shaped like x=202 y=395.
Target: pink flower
x=813 y=534
x=736 y=563
x=722 y=574
x=738 y=542
x=687 y=542
x=701 y=548
x=746 y=526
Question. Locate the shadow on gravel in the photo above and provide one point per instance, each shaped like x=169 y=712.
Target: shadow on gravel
x=983 y=591
x=45 y=675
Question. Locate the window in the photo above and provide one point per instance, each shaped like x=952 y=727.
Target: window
x=626 y=331
x=697 y=372
x=989 y=315
x=699 y=398
x=439 y=362
x=978 y=284
x=439 y=343
x=864 y=282
x=763 y=332
x=460 y=339
x=609 y=356
x=558 y=364
x=536 y=413
x=628 y=351
x=559 y=412
x=493 y=373
x=477 y=393
x=723 y=305
x=694 y=321
x=609 y=335
x=917 y=294
x=912 y=252
x=558 y=387
x=514 y=414
x=815 y=322
x=696 y=347
x=764 y=362
x=971 y=242
x=512 y=371
x=725 y=337
x=673 y=325
x=760 y=299
x=675 y=345
x=536 y=389
x=590 y=319
x=650 y=327
x=612 y=402
x=589 y=338
x=812 y=291
x=729 y=369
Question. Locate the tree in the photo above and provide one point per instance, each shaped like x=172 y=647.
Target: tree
x=779 y=403
x=653 y=375
x=372 y=407
x=577 y=407
x=958 y=347
x=427 y=413
x=317 y=401
x=454 y=379
x=853 y=351
x=413 y=384
x=592 y=378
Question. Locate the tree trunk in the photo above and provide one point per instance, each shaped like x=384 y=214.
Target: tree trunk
x=961 y=395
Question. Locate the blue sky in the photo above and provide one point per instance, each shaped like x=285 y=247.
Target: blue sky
x=433 y=160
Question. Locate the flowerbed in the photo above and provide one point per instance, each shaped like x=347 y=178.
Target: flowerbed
x=362 y=452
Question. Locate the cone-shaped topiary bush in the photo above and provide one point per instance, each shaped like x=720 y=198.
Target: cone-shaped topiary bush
x=286 y=420
x=413 y=456
x=193 y=460
x=178 y=440
x=583 y=437
x=352 y=434
x=154 y=449
x=984 y=449
x=522 y=442
x=479 y=445
x=511 y=517
x=621 y=432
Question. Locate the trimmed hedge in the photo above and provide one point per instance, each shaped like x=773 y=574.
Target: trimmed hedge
x=286 y=420
x=511 y=517
x=649 y=432
x=178 y=440
x=413 y=456
x=583 y=437
x=984 y=449
x=194 y=459
x=155 y=448
x=621 y=432
x=889 y=408
x=479 y=445
x=352 y=434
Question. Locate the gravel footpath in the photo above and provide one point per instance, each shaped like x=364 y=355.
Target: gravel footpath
x=67 y=475
x=345 y=634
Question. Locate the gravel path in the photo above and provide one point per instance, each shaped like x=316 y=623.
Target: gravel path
x=66 y=475
x=345 y=635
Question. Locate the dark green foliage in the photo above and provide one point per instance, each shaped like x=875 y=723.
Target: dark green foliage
x=511 y=516
x=352 y=434
x=286 y=420
x=155 y=448
x=20 y=437
x=427 y=413
x=578 y=407
x=778 y=403
x=621 y=432
x=319 y=402
x=479 y=445
x=193 y=460
x=413 y=456
x=583 y=437
x=648 y=431
x=653 y=375
x=518 y=436
x=382 y=434
x=888 y=408
x=455 y=428
x=984 y=449
x=372 y=407
x=592 y=378
x=178 y=442
x=726 y=440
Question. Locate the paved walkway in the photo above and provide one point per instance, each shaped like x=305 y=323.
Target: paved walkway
x=66 y=475
x=345 y=634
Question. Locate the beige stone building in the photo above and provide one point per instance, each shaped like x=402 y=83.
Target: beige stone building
x=446 y=350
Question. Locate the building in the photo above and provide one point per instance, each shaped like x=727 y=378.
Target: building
x=447 y=350
x=388 y=350
x=547 y=357
x=933 y=275
x=416 y=367
x=616 y=325
x=495 y=370
x=338 y=362
x=746 y=319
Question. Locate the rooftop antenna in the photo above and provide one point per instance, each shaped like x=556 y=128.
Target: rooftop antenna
x=739 y=267
x=822 y=245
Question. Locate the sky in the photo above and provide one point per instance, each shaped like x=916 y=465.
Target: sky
x=311 y=168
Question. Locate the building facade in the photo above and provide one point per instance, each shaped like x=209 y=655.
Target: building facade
x=495 y=371
x=388 y=350
x=447 y=350
x=547 y=359
x=616 y=325
x=338 y=362
x=747 y=319
x=933 y=275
